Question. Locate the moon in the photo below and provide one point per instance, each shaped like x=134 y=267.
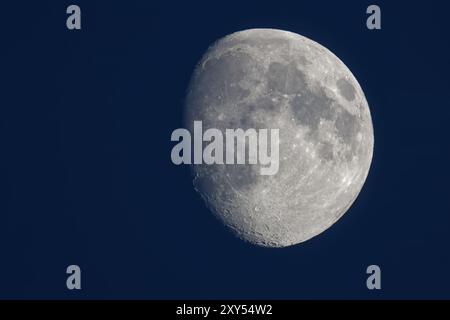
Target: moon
x=275 y=79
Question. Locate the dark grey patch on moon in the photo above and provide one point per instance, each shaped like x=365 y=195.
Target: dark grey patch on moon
x=267 y=104
x=285 y=78
x=346 y=125
x=250 y=119
x=310 y=107
x=266 y=78
x=346 y=89
x=326 y=151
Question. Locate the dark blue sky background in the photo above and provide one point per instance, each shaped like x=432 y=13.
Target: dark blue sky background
x=86 y=176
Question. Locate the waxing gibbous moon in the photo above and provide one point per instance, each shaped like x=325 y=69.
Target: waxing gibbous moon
x=274 y=79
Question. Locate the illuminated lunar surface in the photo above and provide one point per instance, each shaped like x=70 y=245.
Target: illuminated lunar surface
x=267 y=78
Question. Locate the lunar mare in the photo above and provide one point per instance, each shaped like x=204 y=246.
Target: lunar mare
x=267 y=78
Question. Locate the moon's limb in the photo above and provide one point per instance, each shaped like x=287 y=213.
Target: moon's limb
x=267 y=78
